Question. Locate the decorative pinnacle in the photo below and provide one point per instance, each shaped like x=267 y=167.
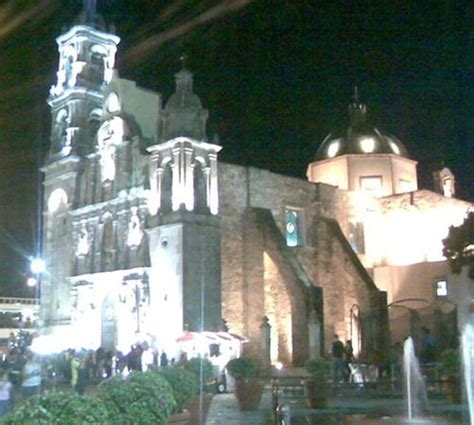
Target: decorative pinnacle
x=90 y=7
x=355 y=96
x=183 y=59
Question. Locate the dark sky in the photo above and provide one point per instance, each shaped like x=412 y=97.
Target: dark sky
x=276 y=77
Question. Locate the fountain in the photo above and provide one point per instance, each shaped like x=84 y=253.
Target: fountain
x=415 y=388
x=467 y=344
x=415 y=396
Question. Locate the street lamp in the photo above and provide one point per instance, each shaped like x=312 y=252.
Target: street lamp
x=32 y=282
x=37 y=265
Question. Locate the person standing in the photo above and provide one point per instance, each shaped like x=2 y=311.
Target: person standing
x=31 y=375
x=75 y=363
x=348 y=359
x=163 y=360
x=337 y=351
x=5 y=393
x=87 y=363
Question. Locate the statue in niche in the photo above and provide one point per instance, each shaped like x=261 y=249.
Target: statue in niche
x=60 y=129
x=135 y=234
x=83 y=243
x=135 y=295
x=110 y=134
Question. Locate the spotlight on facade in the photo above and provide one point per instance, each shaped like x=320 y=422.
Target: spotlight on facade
x=37 y=265
x=278 y=366
x=31 y=282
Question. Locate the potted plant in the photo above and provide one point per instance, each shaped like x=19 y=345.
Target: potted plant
x=318 y=386
x=248 y=386
x=60 y=407
x=185 y=386
x=198 y=406
x=140 y=399
x=451 y=374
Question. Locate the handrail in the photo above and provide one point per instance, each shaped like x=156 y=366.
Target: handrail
x=19 y=300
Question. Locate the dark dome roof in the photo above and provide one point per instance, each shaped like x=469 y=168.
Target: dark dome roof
x=184 y=98
x=359 y=138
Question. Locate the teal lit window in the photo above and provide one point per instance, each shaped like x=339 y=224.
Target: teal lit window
x=441 y=288
x=293 y=224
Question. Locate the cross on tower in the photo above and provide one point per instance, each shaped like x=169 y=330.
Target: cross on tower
x=183 y=59
x=355 y=96
x=90 y=7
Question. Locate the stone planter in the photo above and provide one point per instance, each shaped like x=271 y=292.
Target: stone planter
x=317 y=394
x=179 y=418
x=248 y=394
x=452 y=385
x=194 y=406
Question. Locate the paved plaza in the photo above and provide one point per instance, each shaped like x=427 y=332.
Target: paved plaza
x=360 y=405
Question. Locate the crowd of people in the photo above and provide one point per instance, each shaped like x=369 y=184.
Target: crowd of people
x=344 y=368
x=22 y=373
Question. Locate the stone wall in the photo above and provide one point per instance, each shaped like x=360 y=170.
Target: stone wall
x=326 y=259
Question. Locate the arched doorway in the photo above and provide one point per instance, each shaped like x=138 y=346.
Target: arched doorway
x=109 y=323
x=356 y=330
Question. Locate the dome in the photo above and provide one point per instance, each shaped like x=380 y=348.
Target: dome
x=184 y=98
x=359 y=138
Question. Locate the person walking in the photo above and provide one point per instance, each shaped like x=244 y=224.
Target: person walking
x=31 y=375
x=5 y=393
x=348 y=359
x=87 y=363
x=337 y=351
x=75 y=362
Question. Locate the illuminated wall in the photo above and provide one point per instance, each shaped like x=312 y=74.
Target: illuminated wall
x=388 y=174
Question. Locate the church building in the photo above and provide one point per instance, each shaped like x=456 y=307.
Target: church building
x=148 y=235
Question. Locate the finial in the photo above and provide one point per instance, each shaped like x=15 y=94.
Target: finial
x=355 y=96
x=90 y=8
x=183 y=59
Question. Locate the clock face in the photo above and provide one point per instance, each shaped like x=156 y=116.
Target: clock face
x=112 y=103
x=111 y=131
x=57 y=198
x=290 y=227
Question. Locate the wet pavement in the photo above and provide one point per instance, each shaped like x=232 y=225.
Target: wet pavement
x=342 y=409
x=224 y=411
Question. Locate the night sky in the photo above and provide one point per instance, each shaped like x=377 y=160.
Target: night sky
x=276 y=77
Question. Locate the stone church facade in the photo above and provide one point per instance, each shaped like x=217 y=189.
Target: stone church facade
x=147 y=234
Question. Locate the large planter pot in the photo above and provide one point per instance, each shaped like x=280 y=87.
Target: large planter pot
x=452 y=385
x=194 y=408
x=179 y=418
x=248 y=394
x=317 y=394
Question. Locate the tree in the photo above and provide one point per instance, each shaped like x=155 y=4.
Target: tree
x=459 y=246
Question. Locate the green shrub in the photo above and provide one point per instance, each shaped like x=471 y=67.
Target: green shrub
x=194 y=365
x=141 y=399
x=59 y=408
x=243 y=368
x=183 y=382
x=319 y=369
x=450 y=362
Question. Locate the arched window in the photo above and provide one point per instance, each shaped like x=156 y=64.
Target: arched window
x=200 y=188
x=108 y=242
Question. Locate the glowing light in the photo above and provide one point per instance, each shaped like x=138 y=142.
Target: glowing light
x=57 y=198
x=395 y=148
x=113 y=103
x=367 y=144
x=333 y=149
x=278 y=366
x=37 y=265
x=31 y=282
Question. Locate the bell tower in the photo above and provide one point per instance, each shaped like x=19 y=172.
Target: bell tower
x=184 y=194
x=86 y=64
